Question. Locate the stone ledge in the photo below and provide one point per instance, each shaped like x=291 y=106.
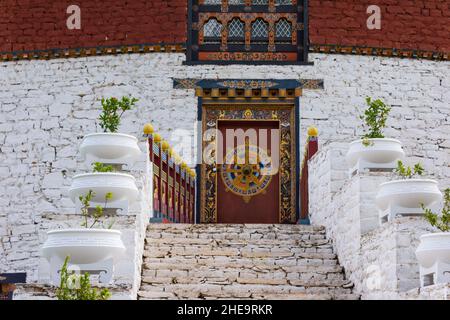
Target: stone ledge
x=35 y=291
x=434 y=292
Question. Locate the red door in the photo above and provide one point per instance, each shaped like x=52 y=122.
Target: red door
x=248 y=187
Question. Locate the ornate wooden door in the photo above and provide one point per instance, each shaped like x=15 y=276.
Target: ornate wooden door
x=226 y=196
x=248 y=180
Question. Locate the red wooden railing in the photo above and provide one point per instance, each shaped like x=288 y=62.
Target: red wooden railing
x=173 y=183
x=311 y=148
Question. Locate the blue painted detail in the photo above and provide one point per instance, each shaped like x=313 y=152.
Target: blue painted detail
x=248 y=83
x=304 y=221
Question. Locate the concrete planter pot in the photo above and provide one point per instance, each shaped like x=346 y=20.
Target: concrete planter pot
x=406 y=196
x=84 y=246
x=114 y=148
x=90 y=250
x=381 y=153
x=121 y=185
x=433 y=254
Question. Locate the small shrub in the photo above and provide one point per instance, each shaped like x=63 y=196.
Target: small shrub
x=113 y=109
x=101 y=167
x=442 y=221
x=78 y=287
x=407 y=172
x=375 y=117
x=98 y=212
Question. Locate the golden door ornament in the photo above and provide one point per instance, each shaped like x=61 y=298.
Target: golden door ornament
x=246 y=171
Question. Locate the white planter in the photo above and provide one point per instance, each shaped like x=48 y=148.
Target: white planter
x=90 y=250
x=379 y=154
x=433 y=254
x=407 y=196
x=84 y=246
x=121 y=185
x=114 y=148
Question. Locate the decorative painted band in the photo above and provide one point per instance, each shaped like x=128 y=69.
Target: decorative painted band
x=92 y=51
x=384 y=52
x=181 y=47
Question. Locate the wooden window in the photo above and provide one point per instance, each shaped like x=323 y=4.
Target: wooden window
x=247 y=31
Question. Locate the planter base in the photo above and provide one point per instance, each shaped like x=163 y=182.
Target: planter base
x=101 y=271
x=125 y=163
x=120 y=206
x=363 y=165
x=392 y=212
x=438 y=273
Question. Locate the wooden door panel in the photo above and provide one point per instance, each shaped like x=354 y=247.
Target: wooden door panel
x=234 y=205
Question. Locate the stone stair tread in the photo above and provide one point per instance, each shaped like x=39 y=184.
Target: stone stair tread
x=240 y=291
x=152 y=279
x=152 y=242
x=211 y=227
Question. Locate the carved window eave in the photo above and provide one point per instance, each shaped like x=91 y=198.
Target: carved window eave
x=283 y=39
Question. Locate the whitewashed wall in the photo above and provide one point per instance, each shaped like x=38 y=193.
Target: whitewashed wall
x=47 y=106
x=378 y=258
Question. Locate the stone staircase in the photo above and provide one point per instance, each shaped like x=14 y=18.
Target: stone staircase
x=214 y=261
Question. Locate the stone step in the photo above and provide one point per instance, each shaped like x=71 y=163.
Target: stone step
x=242 y=291
x=228 y=263
x=299 y=258
x=217 y=251
x=224 y=280
x=292 y=228
x=283 y=232
x=207 y=271
x=180 y=242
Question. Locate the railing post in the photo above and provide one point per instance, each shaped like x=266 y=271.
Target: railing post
x=171 y=165
x=174 y=182
x=312 y=146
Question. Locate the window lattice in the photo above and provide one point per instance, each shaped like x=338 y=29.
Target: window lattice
x=236 y=29
x=283 y=29
x=260 y=29
x=260 y=2
x=213 y=2
x=212 y=29
x=236 y=2
x=283 y=2
x=247 y=31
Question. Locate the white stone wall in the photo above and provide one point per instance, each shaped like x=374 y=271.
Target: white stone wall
x=378 y=258
x=46 y=107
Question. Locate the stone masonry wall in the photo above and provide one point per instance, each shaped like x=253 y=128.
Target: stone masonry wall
x=47 y=107
x=378 y=258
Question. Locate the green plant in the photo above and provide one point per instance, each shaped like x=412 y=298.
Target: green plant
x=442 y=221
x=407 y=172
x=98 y=212
x=78 y=287
x=113 y=109
x=375 y=117
x=101 y=167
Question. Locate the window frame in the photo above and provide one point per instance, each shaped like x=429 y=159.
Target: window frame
x=297 y=50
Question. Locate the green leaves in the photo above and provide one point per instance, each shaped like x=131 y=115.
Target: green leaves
x=375 y=117
x=98 y=213
x=442 y=221
x=101 y=167
x=408 y=172
x=78 y=287
x=113 y=110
